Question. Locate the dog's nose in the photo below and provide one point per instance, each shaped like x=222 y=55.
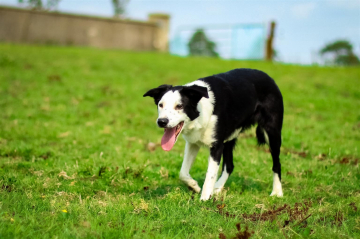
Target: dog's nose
x=162 y=122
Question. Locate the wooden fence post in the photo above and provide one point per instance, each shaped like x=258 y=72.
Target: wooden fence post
x=269 y=43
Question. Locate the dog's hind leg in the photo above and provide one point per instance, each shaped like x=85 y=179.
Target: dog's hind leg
x=275 y=144
x=227 y=166
x=270 y=121
x=191 y=151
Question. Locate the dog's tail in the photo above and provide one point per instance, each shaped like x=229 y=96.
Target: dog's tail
x=260 y=135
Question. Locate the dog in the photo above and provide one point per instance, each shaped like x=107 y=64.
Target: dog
x=212 y=112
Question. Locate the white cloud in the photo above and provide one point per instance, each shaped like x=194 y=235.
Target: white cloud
x=215 y=8
x=345 y=4
x=303 y=10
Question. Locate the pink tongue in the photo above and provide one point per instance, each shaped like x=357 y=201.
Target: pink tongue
x=168 y=139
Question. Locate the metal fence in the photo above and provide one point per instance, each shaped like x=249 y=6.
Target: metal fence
x=239 y=41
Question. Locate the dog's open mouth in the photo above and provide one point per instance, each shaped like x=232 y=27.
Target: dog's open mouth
x=170 y=136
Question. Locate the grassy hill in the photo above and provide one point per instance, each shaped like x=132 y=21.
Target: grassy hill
x=75 y=159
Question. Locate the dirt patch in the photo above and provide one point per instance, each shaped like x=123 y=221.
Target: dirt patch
x=269 y=215
x=6 y=188
x=335 y=220
x=338 y=219
x=240 y=234
x=302 y=154
x=46 y=155
x=321 y=157
x=342 y=194
x=103 y=104
x=135 y=173
x=222 y=236
x=243 y=235
x=54 y=78
x=298 y=214
x=27 y=66
x=349 y=160
x=353 y=206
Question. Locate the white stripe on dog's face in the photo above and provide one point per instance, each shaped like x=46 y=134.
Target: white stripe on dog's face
x=168 y=108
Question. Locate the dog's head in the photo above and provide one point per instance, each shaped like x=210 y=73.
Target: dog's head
x=177 y=105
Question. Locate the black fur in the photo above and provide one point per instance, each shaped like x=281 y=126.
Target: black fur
x=191 y=95
x=260 y=135
x=244 y=97
x=228 y=156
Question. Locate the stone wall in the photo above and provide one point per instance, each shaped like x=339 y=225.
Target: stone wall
x=38 y=27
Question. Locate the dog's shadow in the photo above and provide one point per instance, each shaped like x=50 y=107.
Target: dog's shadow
x=246 y=184
x=235 y=184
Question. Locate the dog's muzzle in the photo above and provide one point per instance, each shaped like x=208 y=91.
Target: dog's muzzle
x=162 y=122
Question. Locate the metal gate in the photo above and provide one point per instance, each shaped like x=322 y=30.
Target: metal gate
x=239 y=41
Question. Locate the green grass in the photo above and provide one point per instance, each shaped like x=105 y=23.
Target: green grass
x=75 y=163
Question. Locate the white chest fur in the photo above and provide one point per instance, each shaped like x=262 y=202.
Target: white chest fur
x=201 y=135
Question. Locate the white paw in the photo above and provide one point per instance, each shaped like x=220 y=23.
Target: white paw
x=277 y=193
x=218 y=190
x=277 y=189
x=196 y=188
x=192 y=184
x=205 y=196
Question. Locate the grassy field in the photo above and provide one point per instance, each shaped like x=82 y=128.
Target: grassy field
x=80 y=155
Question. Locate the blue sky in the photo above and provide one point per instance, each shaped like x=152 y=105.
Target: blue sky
x=303 y=26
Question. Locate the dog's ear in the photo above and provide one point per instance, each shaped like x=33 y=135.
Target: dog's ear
x=158 y=92
x=195 y=93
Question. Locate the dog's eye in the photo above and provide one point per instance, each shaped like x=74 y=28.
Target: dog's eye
x=160 y=105
x=179 y=107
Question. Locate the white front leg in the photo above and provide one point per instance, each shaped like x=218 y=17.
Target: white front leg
x=191 y=151
x=277 y=189
x=211 y=176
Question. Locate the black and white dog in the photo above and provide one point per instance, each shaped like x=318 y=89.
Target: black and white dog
x=211 y=112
